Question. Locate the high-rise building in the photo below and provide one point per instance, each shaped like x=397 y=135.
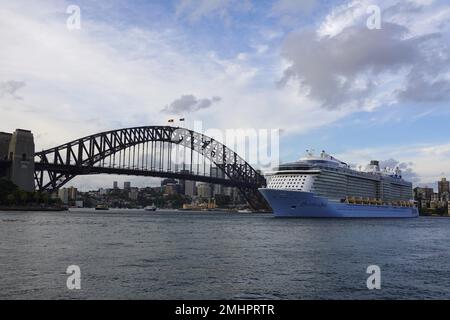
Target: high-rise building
x=443 y=187
x=133 y=194
x=216 y=189
x=72 y=193
x=228 y=191
x=216 y=172
x=204 y=190
x=63 y=194
x=127 y=185
x=167 y=181
x=115 y=185
x=189 y=188
x=67 y=195
x=171 y=188
x=423 y=193
x=182 y=182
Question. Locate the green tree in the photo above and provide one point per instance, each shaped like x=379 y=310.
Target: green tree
x=6 y=188
x=23 y=197
x=11 y=199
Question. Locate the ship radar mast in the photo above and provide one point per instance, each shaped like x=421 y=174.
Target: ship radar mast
x=398 y=172
x=310 y=153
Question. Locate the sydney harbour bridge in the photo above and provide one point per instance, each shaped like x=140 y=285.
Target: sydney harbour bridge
x=153 y=151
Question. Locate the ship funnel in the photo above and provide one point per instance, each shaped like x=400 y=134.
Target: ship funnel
x=375 y=165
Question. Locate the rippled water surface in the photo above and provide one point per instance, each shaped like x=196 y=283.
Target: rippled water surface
x=189 y=255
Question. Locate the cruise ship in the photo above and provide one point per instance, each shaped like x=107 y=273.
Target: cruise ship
x=321 y=186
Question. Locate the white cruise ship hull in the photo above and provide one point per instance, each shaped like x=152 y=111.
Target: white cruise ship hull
x=293 y=203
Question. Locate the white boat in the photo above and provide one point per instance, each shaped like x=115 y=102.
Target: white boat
x=150 y=208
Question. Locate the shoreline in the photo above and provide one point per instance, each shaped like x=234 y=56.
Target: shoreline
x=32 y=208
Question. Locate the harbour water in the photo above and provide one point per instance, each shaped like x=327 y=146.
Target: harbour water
x=210 y=255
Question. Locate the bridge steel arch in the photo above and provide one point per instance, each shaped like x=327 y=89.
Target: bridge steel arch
x=57 y=166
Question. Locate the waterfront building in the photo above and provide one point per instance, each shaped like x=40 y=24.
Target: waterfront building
x=190 y=189
x=133 y=194
x=72 y=193
x=228 y=191
x=423 y=193
x=216 y=189
x=167 y=181
x=171 y=189
x=443 y=187
x=182 y=182
x=216 y=172
x=234 y=194
x=68 y=195
x=127 y=185
x=204 y=190
x=423 y=204
x=63 y=195
x=434 y=204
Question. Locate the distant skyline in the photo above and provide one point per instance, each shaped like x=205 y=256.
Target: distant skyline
x=311 y=68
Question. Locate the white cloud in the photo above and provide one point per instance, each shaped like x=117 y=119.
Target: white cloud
x=419 y=17
x=423 y=163
x=197 y=9
x=343 y=16
x=345 y=64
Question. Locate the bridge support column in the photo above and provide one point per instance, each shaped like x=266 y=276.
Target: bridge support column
x=5 y=139
x=21 y=155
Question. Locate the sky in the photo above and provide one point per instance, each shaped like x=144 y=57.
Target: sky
x=320 y=71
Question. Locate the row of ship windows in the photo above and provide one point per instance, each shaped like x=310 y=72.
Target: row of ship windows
x=288 y=188
x=288 y=184
x=345 y=181
x=353 y=184
x=288 y=181
x=290 y=177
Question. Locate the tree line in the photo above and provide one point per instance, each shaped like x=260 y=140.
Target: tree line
x=10 y=194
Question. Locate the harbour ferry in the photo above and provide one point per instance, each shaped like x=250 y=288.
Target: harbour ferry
x=101 y=207
x=150 y=208
x=321 y=186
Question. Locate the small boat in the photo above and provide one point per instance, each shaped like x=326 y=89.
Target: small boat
x=150 y=208
x=101 y=207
